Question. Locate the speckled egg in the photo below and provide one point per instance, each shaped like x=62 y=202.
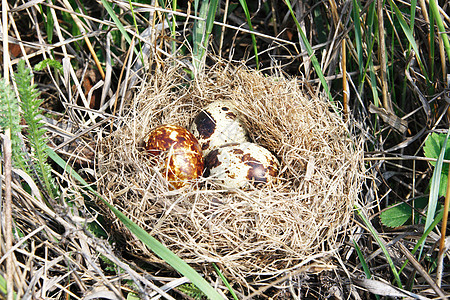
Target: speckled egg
x=179 y=150
x=217 y=124
x=238 y=165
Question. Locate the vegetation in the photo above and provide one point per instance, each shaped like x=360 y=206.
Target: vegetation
x=383 y=65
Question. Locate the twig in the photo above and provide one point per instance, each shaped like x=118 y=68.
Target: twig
x=382 y=52
x=88 y=42
x=440 y=258
x=345 y=90
x=5 y=7
x=120 y=76
x=8 y=212
x=421 y=271
x=222 y=33
x=406 y=157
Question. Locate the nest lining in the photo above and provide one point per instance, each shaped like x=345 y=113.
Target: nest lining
x=250 y=232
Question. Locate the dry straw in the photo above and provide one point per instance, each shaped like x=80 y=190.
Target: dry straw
x=250 y=233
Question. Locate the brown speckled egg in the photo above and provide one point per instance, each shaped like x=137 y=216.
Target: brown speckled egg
x=218 y=124
x=238 y=165
x=180 y=151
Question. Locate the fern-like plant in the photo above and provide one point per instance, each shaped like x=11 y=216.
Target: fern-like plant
x=10 y=118
x=30 y=104
x=192 y=291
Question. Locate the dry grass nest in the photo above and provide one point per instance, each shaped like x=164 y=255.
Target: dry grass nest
x=259 y=231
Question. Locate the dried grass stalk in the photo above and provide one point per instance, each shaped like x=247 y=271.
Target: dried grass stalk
x=250 y=232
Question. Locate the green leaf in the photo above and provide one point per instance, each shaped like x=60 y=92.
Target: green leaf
x=49 y=62
x=49 y=25
x=3 y=287
x=30 y=104
x=10 y=118
x=159 y=249
x=435 y=186
x=133 y=296
x=433 y=146
x=443 y=181
x=358 y=36
x=192 y=291
x=396 y=215
x=432 y=149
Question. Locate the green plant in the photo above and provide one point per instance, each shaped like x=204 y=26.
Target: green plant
x=225 y=281
x=49 y=62
x=363 y=263
x=3 y=287
x=202 y=31
x=35 y=132
x=380 y=243
x=110 y=265
x=398 y=214
x=249 y=22
x=436 y=147
x=311 y=54
x=30 y=104
x=432 y=149
x=10 y=118
x=192 y=291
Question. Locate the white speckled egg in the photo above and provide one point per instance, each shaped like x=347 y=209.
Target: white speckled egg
x=218 y=124
x=238 y=165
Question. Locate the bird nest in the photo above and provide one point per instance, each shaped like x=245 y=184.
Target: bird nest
x=251 y=232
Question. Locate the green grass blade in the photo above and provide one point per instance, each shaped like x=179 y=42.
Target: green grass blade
x=313 y=58
x=137 y=31
x=249 y=22
x=371 y=29
x=198 y=36
x=49 y=25
x=153 y=244
x=407 y=31
x=119 y=24
x=358 y=37
x=202 y=31
x=225 y=281
x=413 y=14
x=3 y=287
x=425 y=235
x=173 y=28
x=380 y=244
x=440 y=24
x=363 y=261
x=431 y=56
x=434 y=188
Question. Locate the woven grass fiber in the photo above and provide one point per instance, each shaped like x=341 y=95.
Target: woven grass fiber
x=249 y=233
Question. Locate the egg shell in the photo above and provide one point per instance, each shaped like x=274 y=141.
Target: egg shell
x=238 y=165
x=217 y=124
x=180 y=151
